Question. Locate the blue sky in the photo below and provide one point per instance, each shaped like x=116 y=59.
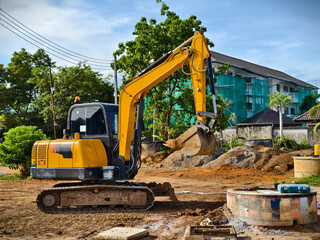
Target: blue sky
x=280 y=34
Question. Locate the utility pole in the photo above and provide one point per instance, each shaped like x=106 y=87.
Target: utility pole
x=115 y=81
x=53 y=112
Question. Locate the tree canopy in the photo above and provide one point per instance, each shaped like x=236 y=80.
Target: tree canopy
x=25 y=94
x=70 y=82
x=17 y=92
x=166 y=110
x=308 y=102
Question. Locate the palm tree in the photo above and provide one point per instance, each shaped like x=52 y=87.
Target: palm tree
x=279 y=101
x=313 y=113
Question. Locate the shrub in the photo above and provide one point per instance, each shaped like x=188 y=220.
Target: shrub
x=289 y=143
x=232 y=142
x=304 y=144
x=278 y=142
x=15 y=151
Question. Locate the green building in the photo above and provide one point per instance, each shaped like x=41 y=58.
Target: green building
x=248 y=86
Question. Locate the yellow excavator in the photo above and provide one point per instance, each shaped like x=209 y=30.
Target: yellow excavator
x=100 y=146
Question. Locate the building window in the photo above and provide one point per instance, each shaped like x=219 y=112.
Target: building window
x=292 y=111
x=285 y=88
x=249 y=106
x=278 y=87
x=291 y=89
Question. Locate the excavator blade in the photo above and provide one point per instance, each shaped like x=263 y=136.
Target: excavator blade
x=163 y=189
x=194 y=141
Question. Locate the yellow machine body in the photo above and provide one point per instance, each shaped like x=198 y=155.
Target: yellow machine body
x=70 y=156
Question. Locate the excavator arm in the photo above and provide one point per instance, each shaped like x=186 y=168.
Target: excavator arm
x=134 y=92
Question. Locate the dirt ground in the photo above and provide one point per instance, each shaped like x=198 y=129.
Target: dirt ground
x=20 y=218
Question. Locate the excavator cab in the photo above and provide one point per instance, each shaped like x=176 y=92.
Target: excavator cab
x=95 y=121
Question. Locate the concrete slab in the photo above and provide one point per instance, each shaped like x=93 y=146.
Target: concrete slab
x=123 y=233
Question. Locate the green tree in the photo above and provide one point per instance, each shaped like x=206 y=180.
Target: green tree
x=70 y=82
x=164 y=108
x=15 y=151
x=17 y=92
x=279 y=101
x=308 y=102
x=313 y=113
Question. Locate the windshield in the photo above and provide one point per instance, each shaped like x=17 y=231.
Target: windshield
x=88 y=121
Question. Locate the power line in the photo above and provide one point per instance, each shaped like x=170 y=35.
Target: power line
x=98 y=67
x=35 y=44
x=47 y=41
x=41 y=43
x=75 y=63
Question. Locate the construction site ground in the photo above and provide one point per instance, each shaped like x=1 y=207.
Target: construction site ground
x=20 y=218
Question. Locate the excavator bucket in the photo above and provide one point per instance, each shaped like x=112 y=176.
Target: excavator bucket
x=194 y=141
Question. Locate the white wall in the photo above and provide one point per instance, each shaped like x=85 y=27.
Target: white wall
x=297 y=133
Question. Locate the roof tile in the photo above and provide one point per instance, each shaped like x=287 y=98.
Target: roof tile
x=269 y=116
x=258 y=69
x=306 y=117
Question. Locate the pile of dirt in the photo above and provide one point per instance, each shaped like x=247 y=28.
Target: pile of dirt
x=156 y=158
x=217 y=216
x=253 y=157
x=259 y=157
x=284 y=161
x=211 y=217
x=178 y=160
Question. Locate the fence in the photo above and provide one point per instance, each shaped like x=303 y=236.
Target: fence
x=268 y=131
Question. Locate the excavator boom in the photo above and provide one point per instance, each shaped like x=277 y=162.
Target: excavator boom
x=196 y=141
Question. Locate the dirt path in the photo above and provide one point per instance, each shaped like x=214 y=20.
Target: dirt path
x=20 y=218
x=5 y=170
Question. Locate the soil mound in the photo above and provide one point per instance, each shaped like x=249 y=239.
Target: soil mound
x=178 y=160
x=259 y=157
x=252 y=157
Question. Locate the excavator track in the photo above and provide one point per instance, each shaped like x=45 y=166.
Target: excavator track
x=95 y=198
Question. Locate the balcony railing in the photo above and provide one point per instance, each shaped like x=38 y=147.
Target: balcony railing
x=294 y=97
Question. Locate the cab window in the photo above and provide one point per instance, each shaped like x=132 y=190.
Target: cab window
x=114 y=122
x=88 y=121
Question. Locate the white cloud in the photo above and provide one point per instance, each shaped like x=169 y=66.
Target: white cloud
x=67 y=23
x=79 y=29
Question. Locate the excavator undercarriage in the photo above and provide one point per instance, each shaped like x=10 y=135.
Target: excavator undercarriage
x=101 y=197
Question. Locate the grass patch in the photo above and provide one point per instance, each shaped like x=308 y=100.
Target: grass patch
x=149 y=164
x=12 y=176
x=312 y=180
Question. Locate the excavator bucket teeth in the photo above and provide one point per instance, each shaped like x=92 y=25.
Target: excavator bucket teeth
x=194 y=141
